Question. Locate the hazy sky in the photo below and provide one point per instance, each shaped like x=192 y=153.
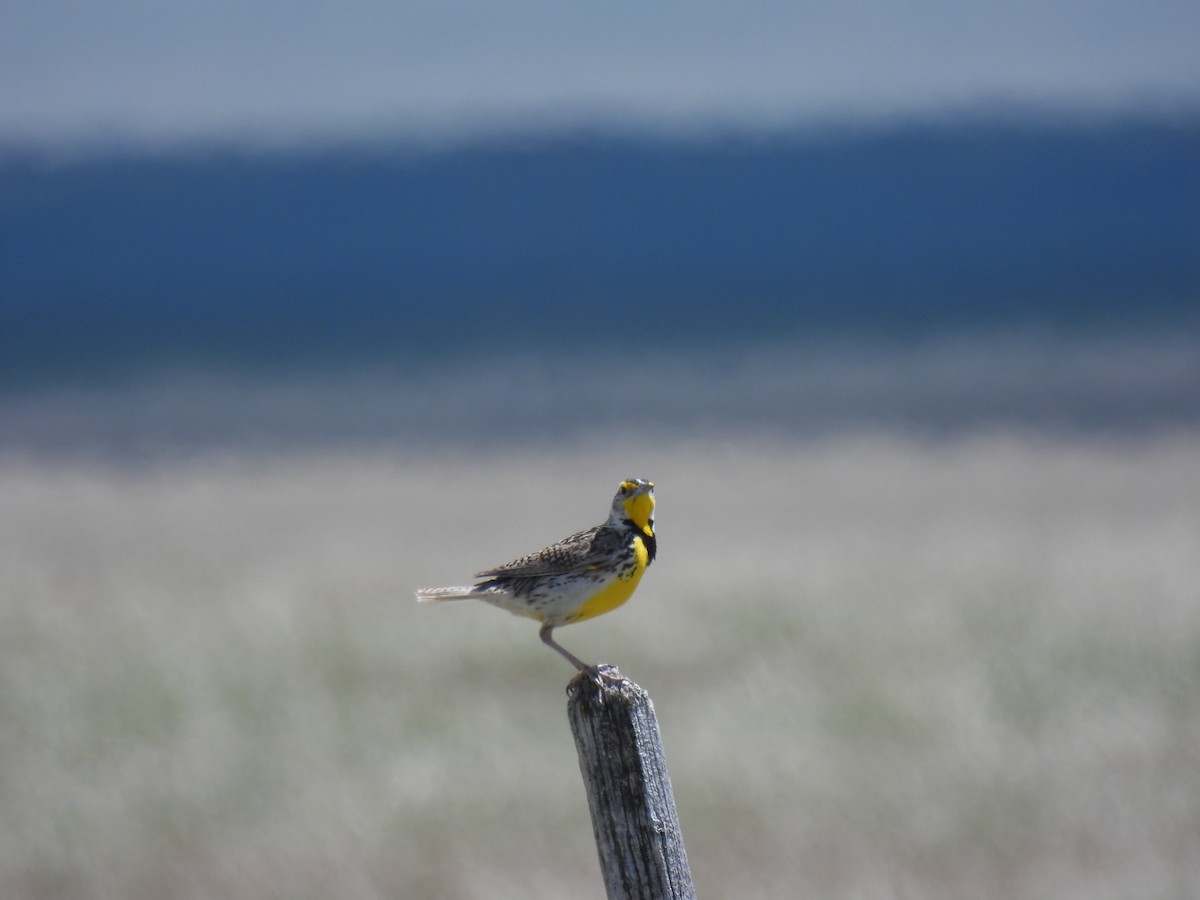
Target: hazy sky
x=265 y=70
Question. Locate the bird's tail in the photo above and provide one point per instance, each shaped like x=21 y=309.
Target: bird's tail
x=440 y=595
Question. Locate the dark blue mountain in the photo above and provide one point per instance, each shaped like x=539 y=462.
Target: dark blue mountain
x=293 y=259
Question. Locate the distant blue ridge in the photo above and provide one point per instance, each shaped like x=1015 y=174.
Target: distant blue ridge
x=113 y=266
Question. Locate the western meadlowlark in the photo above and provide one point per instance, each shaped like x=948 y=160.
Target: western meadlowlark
x=582 y=576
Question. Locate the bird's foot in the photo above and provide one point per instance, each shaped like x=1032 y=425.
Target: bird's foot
x=602 y=676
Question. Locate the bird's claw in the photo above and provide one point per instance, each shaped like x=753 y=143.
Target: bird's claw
x=602 y=676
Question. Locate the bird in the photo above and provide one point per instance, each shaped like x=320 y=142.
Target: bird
x=582 y=576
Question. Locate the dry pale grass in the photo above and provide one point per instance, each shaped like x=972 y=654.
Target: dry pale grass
x=967 y=668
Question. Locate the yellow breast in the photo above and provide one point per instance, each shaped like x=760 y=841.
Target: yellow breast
x=620 y=590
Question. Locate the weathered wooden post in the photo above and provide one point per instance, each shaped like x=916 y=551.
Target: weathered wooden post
x=629 y=789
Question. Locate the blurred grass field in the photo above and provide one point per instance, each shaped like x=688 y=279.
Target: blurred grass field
x=882 y=667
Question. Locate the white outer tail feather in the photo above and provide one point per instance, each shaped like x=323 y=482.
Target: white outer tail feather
x=440 y=595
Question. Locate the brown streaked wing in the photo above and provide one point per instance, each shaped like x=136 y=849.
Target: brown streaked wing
x=576 y=553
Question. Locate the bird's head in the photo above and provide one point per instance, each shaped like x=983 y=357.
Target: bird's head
x=634 y=502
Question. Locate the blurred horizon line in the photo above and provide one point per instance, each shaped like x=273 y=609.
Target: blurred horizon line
x=1018 y=382
x=1170 y=109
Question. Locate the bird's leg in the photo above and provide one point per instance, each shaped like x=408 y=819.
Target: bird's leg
x=598 y=674
x=574 y=660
